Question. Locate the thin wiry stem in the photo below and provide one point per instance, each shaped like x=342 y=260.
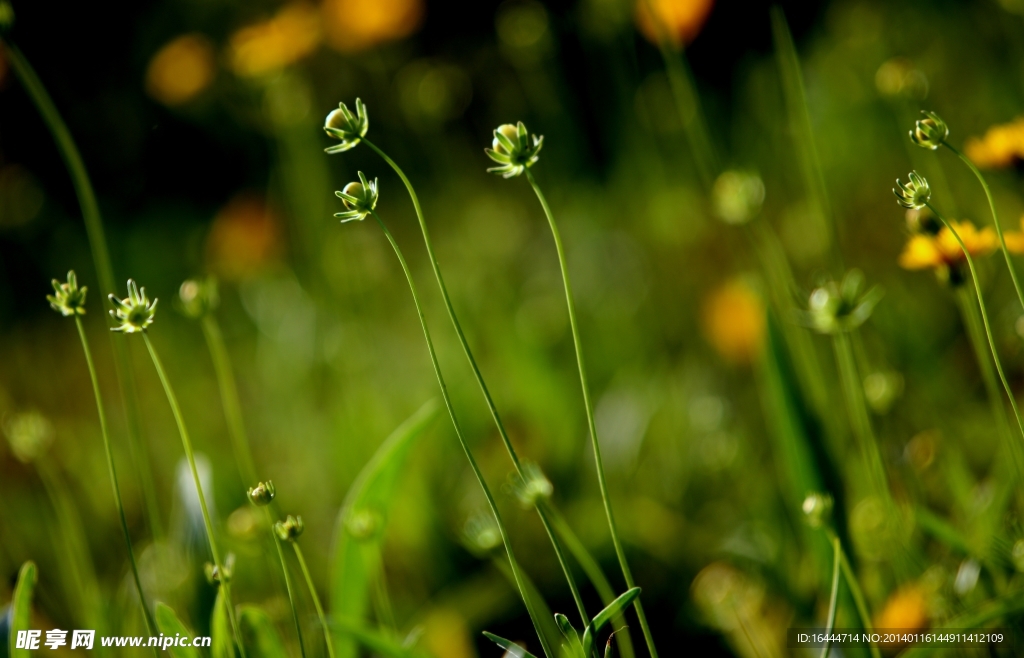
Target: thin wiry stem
x=462 y=441
x=101 y=260
x=112 y=471
x=855 y=592
x=588 y=404
x=316 y=599
x=190 y=456
x=287 y=580
x=834 y=598
x=541 y=512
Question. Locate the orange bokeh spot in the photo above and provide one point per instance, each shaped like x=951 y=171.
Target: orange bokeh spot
x=263 y=48
x=355 y=25
x=245 y=238
x=733 y=321
x=180 y=70
x=681 y=20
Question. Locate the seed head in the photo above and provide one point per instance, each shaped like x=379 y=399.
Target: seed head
x=135 y=312
x=514 y=150
x=737 y=196
x=290 y=528
x=360 y=199
x=930 y=131
x=838 y=307
x=343 y=125
x=262 y=493
x=817 y=509
x=197 y=297
x=915 y=193
x=67 y=298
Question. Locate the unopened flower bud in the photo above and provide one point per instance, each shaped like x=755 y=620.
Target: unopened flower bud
x=290 y=528
x=930 y=131
x=532 y=486
x=215 y=576
x=135 y=312
x=67 y=298
x=817 y=508
x=915 y=193
x=360 y=199
x=262 y=494
x=350 y=128
x=197 y=297
x=514 y=150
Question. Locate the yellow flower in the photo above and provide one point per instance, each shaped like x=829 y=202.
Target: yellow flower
x=263 y=48
x=355 y=25
x=180 y=70
x=1001 y=146
x=1015 y=239
x=681 y=20
x=942 y=251
x=907 y=609
x=733 y=319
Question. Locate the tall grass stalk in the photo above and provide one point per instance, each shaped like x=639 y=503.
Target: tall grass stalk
x=287 y=580
x=112 y=472
x=101 y=260
x=462 y=441
x=316 y=599
x=588 y=404
x=190 y=455
x=833 y=599
x=541 y=510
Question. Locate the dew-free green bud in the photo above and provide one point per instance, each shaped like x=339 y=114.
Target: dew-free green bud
x=214 y=576
x=532 y=486
x=133 y=313
x=262 y=494
x=930 y=131
x=360 y=199
x=833 y=308
x=349 y=128
x=915 y=193
x=514 y=149
x=737 y=196
x=290 y=528
x=817 y=509
x=67 y=298
x=481 y=535
x=197 y=297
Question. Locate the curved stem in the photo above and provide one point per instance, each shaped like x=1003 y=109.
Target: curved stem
x=544 y=517
x=112 y=471
x=462 y=441
x=316 y=599
x=995 y=220
x=229 y=398
x=855 y=592
x=101 y=260
x=984 y=318
x=605 y=497
x=187 y=445
x=834 y=598
x=287 y=581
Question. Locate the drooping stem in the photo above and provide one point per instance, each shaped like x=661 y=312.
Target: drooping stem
x=112 y=472
x=834 y=597
x=544 y=516
x=316 y=599
x=985 y=320
x=287 y=580
x=462 y=441
x=101 y=260
x=229 y=397
x=995 y=220
x=190 y=456
x=588 y=404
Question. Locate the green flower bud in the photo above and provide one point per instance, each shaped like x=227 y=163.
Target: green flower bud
x=930 y=131
x=341 y=124
x=514 y=150
x=197 y=297
x=30 y=434
x=214 y=575
x=834 y=308
x=290 y=528
x=531 y=487
x=135 y=312
x=737 y=196
x=915 y=193
x=360 y=199
x=67 y=298
x=262 y=493
x=817 y=508
x=481 y=535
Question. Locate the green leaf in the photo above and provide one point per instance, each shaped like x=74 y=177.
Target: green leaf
x=574 y=647
x=365 y=508
x=511 y=647
x=372 y=640
x=21 y=606
x=170 y=625
x=615 y=608
x=220 y=628
x=258 y=633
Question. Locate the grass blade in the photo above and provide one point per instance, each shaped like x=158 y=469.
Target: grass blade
x=261 y=638
x=509 y=646
x=21 y=606
x=220 y=628
x=372 y=640
x=170 y=625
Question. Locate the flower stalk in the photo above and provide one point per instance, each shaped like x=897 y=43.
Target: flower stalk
x=316 y=598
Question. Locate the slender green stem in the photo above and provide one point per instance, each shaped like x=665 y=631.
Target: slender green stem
x=287 y=580
x=101 y=260
x=190 y=455
x=984 y=318
x=229 y=397
x=855 y=592
x=834 y=598
x=462 y=441
x=316 y=599
x=479 y=376
x=995 y=220
x=381 y=599
x=112 y=471
x=588 y=404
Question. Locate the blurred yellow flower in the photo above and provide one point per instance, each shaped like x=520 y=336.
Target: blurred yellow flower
x=355 y=25
x=1001 y=146
x=262 y=48
x=906 y=609
x=733 y=320
x=1015 y=239
x=180 y=70
x=245 y=238
x=681 y=20
x=940 y=251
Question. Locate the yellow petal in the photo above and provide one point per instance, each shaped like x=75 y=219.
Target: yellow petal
x=920 y=253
